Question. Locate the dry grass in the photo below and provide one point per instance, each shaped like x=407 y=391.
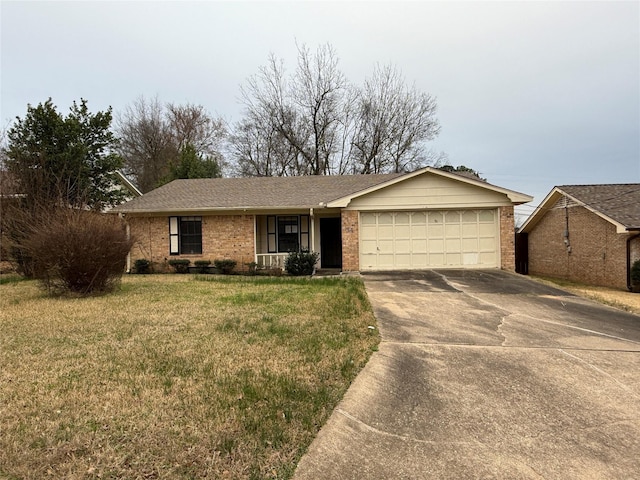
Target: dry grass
x=175 y=376
x=621 y=299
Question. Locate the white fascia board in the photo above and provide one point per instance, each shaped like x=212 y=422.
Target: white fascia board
x=516 y=198
x=213 y=211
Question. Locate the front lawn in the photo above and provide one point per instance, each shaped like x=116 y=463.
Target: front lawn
x=175 y=376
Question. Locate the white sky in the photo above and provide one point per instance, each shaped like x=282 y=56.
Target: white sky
x=531 y=94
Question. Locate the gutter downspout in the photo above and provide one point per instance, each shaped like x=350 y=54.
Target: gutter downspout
x=629 y=240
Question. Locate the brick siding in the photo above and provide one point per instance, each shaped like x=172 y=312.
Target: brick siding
x=597 y=254
x=350 y=241
x=507 y=239
x=223 y=236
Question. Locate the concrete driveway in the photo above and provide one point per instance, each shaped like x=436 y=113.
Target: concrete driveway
x=486 y=374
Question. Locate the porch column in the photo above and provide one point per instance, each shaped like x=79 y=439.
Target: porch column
x=255 y=238
x=312 y=231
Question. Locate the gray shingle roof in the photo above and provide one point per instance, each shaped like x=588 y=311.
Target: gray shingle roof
x=251 y=192
x=620 y=202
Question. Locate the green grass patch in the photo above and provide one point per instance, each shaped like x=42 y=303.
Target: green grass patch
x=176 y=376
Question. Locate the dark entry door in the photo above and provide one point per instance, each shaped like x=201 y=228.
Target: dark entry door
x=330 y=243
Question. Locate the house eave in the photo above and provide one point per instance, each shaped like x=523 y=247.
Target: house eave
x=516 y=198
x=223 y=210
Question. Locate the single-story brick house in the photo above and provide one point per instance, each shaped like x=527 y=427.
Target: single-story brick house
x=424 y=219
x=586 y=233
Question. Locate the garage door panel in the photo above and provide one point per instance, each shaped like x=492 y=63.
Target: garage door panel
x=453 y=259
x=452 y=245
x=470 y=230
x=402 y=231
x=435 y=231
x=488 y=258
x=487 y=230
x=418 y=246
x=368 y=247
x=470 y=259
x=470 y=245
x=436 y=245
x=452 y=230
x=428 y=239
x=487 y=244
x=436 y=260
x=385 y=232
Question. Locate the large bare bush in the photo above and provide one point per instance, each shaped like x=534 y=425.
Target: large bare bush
x=76 y=251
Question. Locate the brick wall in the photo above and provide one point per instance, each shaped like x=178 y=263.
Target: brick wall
x=350 y=241
x=223 y=236
x=597 y=255
x=507 y=239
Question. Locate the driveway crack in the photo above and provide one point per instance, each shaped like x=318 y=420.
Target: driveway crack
x=624 y=386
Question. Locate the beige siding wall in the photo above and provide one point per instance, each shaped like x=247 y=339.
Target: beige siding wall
x=429 y=191
x=598 y=253
x=223 y=236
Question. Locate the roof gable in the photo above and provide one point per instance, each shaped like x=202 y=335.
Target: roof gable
x=618 y=204
x=512 y=196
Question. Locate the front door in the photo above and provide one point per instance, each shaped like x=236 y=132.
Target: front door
x=330 y=243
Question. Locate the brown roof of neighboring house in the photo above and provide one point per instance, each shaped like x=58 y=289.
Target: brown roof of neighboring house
x=251 y=192
x=618 y=203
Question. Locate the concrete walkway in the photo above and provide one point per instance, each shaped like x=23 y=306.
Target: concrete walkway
x=486 y=374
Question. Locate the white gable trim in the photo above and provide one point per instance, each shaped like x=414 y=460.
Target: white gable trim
x=515 y=197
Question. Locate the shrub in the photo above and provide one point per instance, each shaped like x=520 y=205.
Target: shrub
x=301 y=263
x=202 y=266
x=180 y=265
x=76 y=250
x=252 y=267
x=142 y=266
x=225 y=266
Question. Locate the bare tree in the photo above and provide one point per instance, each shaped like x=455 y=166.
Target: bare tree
x=393 y=123
x=304 y=110
x=328 y=125
x=152 y=136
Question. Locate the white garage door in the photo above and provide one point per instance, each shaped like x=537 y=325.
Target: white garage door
x=428 y=239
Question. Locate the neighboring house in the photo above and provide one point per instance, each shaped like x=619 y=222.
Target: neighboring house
x=424 y=219
x=586 y=233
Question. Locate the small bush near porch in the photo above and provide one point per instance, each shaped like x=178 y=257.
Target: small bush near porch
x=175 y=376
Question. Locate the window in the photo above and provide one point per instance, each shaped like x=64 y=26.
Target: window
x=288 y=233
x=185 y=235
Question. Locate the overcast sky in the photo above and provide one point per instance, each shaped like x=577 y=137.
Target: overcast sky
x=530 y=94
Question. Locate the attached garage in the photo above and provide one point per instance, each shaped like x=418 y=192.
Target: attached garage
x=431 y=219
x=429 y=239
